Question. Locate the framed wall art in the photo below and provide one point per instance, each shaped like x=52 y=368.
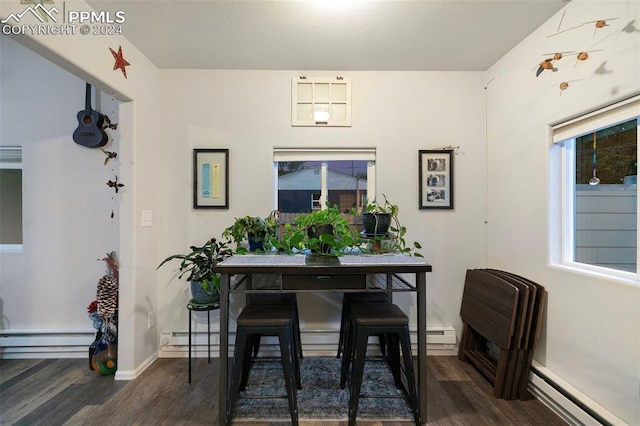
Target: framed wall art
x=210 y=178
x=436 y=179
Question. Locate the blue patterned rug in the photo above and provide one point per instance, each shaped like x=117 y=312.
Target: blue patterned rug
x=321 y=397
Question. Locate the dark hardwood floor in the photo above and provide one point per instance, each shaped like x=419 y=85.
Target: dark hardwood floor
x=66 y=392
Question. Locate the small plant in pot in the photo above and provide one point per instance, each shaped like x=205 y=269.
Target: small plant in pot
x=377 y=217
x=198 y=265
x=253 y=229
x=382 y=226
x=327 y=231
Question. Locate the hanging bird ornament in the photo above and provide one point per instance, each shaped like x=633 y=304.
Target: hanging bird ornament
x=108 y=124
x=583 y=55
x=550 y=63
x=565 y=85
x=115 y=184
x=110 y=155
x=547 y=64
x=599 y=24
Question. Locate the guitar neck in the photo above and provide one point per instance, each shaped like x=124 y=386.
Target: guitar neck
x=87 y=98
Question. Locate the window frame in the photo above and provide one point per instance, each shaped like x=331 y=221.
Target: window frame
x=317 y=103
x=562 y=188
x=11 y=158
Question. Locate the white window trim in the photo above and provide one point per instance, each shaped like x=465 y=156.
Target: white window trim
x=315 y=204
x=11 y=158
x=563 y=135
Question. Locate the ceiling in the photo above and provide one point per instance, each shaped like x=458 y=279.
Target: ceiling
x=413 y=35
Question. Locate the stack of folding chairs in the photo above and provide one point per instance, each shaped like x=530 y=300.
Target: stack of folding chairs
x=501 y=314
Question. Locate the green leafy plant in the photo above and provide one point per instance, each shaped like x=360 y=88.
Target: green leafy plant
x=252 y=228
x=198 y=264
x=376 y=207
x=394 y=241
x=303 y=233
x=291 y=240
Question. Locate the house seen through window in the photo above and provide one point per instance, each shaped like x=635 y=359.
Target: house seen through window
x=300 y=185
x=308 y=179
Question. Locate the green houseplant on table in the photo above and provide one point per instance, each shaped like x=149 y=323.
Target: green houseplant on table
x=377 y=217
x=254 y=229
x=382 y=227
x=323 y=232
x=198 y=265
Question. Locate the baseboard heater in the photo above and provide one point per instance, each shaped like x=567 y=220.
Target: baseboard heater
x=568 y=403
x=440 y=341
x=22 y=344
x=74 y=343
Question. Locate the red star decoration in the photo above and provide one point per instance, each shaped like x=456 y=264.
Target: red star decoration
x=120 y=61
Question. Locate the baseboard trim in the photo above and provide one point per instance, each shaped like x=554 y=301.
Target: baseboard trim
x=133 y=374
x=567 y=402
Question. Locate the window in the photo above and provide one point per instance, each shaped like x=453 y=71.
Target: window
x=320 y=101
x=10 y=197
x=599 y=203
x=305 y=179
x=315 y=200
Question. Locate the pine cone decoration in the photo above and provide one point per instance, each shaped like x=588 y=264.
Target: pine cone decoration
x=112 y=266
x=107 y=296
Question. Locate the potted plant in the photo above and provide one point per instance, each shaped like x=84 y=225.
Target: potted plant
x=377 y=217
x=322 y=232
x=382 y=226
x=253 y=229
x=198 y=265
x=291 y=240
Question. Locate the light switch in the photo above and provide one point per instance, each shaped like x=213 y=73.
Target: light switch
x=146 y=218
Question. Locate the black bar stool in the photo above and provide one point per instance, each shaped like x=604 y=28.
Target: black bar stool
x=349 y=299
x=278 y=298
x=257 y=320
x=370 y=320
x=197 y=307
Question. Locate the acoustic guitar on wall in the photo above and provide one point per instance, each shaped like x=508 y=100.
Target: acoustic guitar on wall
x=90 y=132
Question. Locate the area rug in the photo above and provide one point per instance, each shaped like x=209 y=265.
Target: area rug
x=321 y=397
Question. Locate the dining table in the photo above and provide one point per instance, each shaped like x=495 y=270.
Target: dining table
x=299 y=273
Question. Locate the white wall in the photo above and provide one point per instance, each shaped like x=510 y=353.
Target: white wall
x=249 y=112
x=89 y=58
x=67 y=204
x=396 y=112
x=591 y=335
x=587 y=337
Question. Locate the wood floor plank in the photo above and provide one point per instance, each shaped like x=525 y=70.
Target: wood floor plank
x=9 y=369
x=66 y=392
x=34 y=387
x=444 y=371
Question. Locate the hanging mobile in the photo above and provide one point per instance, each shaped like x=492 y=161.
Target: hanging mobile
x=594 y=180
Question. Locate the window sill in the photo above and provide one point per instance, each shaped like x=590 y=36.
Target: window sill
x=621 y=277
x=10 y=248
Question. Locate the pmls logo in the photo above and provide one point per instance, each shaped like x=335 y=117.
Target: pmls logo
x=39 y=11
